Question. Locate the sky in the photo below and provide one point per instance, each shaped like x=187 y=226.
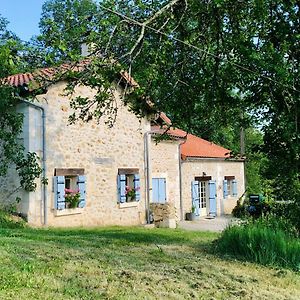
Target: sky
x=23 y=16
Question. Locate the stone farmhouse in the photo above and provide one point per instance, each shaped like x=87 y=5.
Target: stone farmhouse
x=121 y=175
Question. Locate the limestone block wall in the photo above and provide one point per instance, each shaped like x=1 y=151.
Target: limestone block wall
x=100 y=151
x=217 y=169
x=165 y=164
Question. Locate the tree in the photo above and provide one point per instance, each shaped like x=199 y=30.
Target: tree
x=64 y=26
x=209 y=64
x=11 y=151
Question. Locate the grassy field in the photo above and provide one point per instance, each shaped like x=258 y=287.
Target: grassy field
x=130 y=263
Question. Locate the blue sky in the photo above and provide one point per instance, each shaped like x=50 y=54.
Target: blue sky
x=23 y=16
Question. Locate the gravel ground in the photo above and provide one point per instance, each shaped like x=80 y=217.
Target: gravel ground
x=217 y=224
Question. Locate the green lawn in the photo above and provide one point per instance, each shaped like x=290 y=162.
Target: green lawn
x=130 y=263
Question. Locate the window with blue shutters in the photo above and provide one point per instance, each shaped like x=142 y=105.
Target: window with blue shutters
x=69 y=190
x=229 y=186
x=159 y=190
x=128 y=183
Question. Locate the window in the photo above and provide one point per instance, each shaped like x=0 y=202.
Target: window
x=128 y=185
x=159 y=190
x=229 y=187
x=69 y=189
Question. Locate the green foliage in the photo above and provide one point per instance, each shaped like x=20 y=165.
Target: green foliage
x=240 y=210
x=65 y=25
x=9 y=221
x=234 y=63
x=259 y=242
x=289 y=211
x=10 y=129
x=12 y=152
x=275 y=222
x=28 y=169
x=72 y=198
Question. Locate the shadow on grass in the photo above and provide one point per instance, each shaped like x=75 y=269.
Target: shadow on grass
x=98 y=237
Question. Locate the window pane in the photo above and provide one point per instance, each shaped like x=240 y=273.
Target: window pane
x=202 y=193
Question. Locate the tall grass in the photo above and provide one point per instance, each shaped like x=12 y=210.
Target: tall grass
x=259 y=243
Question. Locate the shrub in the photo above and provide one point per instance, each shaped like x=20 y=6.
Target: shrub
x=288 y=210
x=258 y=242
x=9 y=221
x=276 y=223
x=240 y=210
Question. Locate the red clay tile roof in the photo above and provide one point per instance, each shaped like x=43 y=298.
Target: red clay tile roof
x=164 y=117
x=170 y=132
x=195 y=146
x=49 y=73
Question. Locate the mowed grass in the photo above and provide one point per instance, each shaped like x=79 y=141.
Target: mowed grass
x=130 y=263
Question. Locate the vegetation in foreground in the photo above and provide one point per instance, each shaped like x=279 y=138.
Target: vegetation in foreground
x=130 y=263
x=258 y=242
x=270 y=236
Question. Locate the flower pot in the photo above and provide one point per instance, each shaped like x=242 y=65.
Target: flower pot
x=191 y=216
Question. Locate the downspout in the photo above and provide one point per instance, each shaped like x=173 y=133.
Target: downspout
x=147 y=173
x=44 y=193
x=180 y=180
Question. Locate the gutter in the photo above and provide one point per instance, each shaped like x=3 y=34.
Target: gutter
x=197 y=158
x=44 y=193
x=180 y=180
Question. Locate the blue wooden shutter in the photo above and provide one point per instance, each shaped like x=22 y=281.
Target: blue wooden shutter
x=225 y=189
x=137 y=187
x=234 y=188
x=162 y=190
x=195 y=197
x=82 y=190
x=212 y=197
x=59 y=192
x=155 y=190
x=121 y=188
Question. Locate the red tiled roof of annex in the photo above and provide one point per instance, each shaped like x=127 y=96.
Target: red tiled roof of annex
x=194 y=146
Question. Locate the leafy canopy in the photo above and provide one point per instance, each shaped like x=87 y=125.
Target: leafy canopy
x=11 y=150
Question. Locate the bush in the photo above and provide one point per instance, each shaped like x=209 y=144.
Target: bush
x=288 y=210
x=240 y=210
x=259 y=242
x=9 y=221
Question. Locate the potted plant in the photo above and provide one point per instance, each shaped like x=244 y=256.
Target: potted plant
x=72 y=198
x=191 y=216
x=130 y=192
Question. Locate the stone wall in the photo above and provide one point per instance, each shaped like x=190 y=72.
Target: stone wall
x=217 y=169
x=97 y=149
x=165 y=164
